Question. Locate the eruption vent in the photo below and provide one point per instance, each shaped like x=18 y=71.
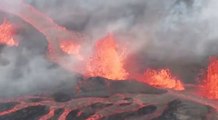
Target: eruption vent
x=162 y=79
x=54 y=33
x=6 y=34
x=106 y=61
x=210 y=83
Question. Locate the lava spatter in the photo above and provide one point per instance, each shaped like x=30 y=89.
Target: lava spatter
x=6 y=34
x=53 y=32
x=209 y=87
x=162 y=79
x=106 y=61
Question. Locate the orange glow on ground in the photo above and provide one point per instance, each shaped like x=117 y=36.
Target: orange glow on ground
x=209 y=87
x=6 y=34
x=162 y=79
x=106 y=61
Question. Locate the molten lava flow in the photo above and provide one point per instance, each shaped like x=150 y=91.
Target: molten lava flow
x=210 y=83
x=6 y=34
x=74 y=104
x=70 y=48
x=162 y=79
x=44 y=24
x=106 y=60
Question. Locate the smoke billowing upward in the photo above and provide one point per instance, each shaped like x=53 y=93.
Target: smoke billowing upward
x=174 y=28
x=178 y=34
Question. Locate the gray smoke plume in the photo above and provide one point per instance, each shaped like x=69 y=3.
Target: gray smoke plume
x=179 y=34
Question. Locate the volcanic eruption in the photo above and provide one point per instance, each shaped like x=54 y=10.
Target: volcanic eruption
x=162 y=79
x=210 y=83
x=7 y=31
x=106 y=60
x=96 y=82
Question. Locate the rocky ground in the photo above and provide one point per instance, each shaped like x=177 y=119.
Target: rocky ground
x=102 y=99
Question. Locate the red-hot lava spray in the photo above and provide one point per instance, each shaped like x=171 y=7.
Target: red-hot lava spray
x=6 y=34
x=209 y=86
x=54 y=33
x=70 y=48
x=106 y=60
x=162 y=79
x=61 y=42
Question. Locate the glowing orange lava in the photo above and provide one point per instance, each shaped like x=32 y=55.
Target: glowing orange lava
x=53 y=32
x=162 y=79
x=106 y=61
x=210 y=83
x=70 y=48
x=6 y=34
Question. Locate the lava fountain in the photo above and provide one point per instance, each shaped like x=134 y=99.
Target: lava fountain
x=98 y=98
x=6 y=34
x=106 y=60
x=54 y=33
x=209 y=87
x=162 y=79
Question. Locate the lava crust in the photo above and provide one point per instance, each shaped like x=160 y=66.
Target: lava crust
x=103 y=103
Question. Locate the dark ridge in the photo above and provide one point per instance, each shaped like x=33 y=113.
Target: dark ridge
x=29 y=113
x=61 y=97
x=125 y=104
x=86 y=112
x=146 y=110
x=178 y=110
x=34 y=100
x=94 y=86
x=134 y=87
x=140 y=112
x=7 y=106
x=73 y=115
x=102 y=87
x=169 y=113
x=57 y=114
x=99 y=106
